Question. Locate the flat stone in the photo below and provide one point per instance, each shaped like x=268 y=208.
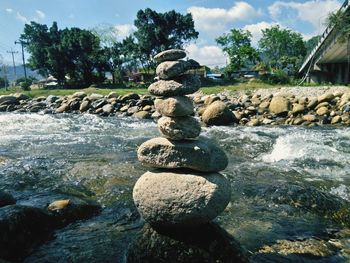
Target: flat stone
x=325 y=97
x=172 y=69
x=309 y=118
x=198 y=155
x=181 y=199
x=142 y=114
x=182 y=86
x=177 y=106
x=217 y=113
x=179 y=128
x=279 y=105
x=170 y=55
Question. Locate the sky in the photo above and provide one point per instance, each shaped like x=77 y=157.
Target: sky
x=212 y=19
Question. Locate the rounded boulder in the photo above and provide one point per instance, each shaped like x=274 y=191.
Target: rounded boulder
x=218 y=113
x=179 y=128
x=178 y=199
x=177 y=106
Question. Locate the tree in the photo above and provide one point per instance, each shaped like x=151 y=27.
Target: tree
x=3 y=82
x=340 y=20
x=311 y=44
x=157 y=32
x=281 y=47
x=237 y=45
x=69 y=52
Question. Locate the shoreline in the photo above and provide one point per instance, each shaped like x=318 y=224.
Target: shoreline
x=307 y=106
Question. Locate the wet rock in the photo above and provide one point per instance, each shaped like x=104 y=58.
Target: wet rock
x=51 y=99
x=108 y=108
x=253 y=122
x=79 y=94
x=84 y=106
x=207 y=243
x=129 y=96
x=181 y=199
x=22 y=229
x=170 y=55
x=309 y=118
x=279 y=105
x=8 y=99
x=197 y=155
x=96 y=104
x=6 y=199
x=179 y=128
x=142 y=115
x=174 y=106
x=94 y=96
x=63 y=108
x=218 y=113
x=21 y=96
x=336 y=119
x=182 y=86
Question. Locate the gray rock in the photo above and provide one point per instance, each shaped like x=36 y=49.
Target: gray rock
x=177 y=106
x=8 y=100
x=95 y=96
x=170 y=55
x=198 y=155
x=171 y=69
x=179 y=128
x=79 y=94
x=142 y=114
x=6 y=199
x=181 y=86
x=279 y=105
x=63 y=108
x=108 y=108
x=129 y=96
x=218 y=113
x=181 y=199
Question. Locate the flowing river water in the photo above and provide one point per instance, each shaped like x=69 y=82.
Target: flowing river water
x=290 y=185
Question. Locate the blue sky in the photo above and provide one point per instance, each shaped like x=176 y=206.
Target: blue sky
x=212 y=18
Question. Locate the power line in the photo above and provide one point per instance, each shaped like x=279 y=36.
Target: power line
x=22 y=43
x=13 y=60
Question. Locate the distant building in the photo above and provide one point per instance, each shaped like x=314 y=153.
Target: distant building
x=328 y=60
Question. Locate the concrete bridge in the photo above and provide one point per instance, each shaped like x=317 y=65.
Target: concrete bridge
x=328 y=60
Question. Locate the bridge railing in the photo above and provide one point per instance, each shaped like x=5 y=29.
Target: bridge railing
x=323 y=37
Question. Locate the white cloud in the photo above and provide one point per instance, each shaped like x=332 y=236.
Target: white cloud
x=9 y=10
x=256 y=30
x=314 y=12
x=21 y=18
x=216 y=19
x=40 y=14
x=210 y=56
x=123 y=31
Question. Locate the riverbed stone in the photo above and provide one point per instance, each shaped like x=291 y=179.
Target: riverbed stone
x=188 y=84
x=179 y=128
x=63 y=108
x=298 y=108
x=8 y=100
x=336 y=119
x=170 y=55
x=6 y=199
x=197 y=155
x=279 y=105
x=218 y=113
x=181 y=198
x=84 y=106
x=142 y=114
x=309 y=117
x=322 y=111
x=177 y=106
x=327 y=97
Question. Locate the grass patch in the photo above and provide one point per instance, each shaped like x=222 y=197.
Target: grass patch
x=210 y=89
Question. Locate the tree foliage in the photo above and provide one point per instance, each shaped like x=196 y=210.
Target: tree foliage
x=73 y=52
x=157 y=32
x=282 y=47
x=237 y=45
x=311 y=44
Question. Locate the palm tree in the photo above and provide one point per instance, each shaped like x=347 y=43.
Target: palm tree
x=340 y=21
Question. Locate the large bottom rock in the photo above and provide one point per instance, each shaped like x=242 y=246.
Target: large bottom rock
x=179 y=128
x=207 y=243
x=198 y=155
x=176 y=199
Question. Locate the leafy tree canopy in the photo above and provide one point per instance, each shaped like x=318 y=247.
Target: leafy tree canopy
x=237 y=45
x=277 y=43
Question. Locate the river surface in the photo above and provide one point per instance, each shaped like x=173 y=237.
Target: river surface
x=289 y=184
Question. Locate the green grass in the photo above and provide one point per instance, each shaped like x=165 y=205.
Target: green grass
x=122 y=91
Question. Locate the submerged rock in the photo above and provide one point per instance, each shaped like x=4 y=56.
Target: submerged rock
x=198 y=155
x=6 y=199
x=207 y=243
x=181 y=199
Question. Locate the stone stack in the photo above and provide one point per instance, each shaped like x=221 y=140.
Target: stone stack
x=188 y=190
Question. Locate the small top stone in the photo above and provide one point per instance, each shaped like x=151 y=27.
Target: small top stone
x=170 y=55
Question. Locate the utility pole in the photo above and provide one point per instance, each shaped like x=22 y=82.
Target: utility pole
x=13 y=60
x=24 y=63
x=5 y=75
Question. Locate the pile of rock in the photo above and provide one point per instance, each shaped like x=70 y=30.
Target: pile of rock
x=190 y=191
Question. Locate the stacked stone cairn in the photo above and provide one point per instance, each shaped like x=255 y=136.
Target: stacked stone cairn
x=186 y=189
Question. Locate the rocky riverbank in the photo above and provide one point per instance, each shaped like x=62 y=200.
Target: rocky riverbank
x=284 y=106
